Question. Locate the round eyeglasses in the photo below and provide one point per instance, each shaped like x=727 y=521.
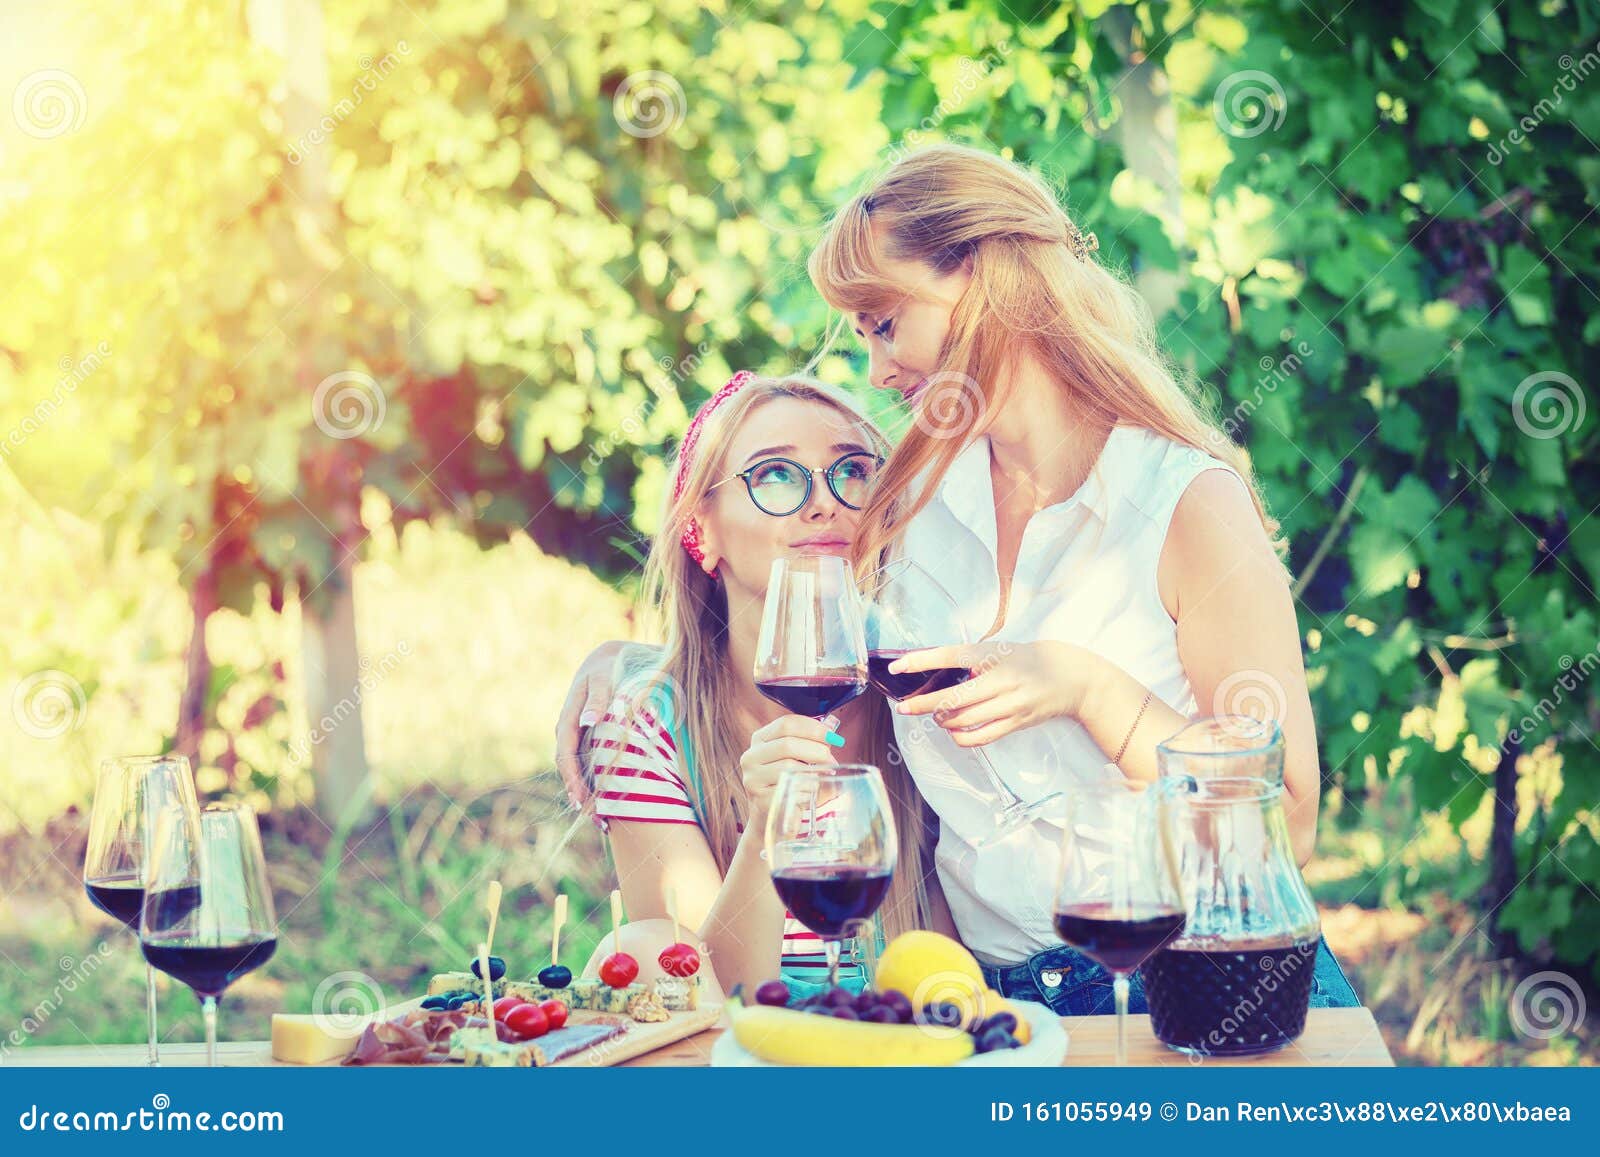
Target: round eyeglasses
x=782 y=486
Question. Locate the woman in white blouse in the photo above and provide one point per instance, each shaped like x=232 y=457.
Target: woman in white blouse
x=1100 y=533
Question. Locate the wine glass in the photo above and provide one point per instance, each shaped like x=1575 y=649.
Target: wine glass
x=1119 y=899
x=127 y=792
x=833 y=872
x=812 y=654
x=903 y=603
x=208 y=916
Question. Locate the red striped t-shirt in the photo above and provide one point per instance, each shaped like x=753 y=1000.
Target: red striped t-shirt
x=638 y=779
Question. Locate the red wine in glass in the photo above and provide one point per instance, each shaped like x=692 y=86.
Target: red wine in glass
x=210 y=968
x=1120 y=938
x=813 y=695
x=830 y=899
x=903 y=686
x=122 y=898
x=208 y=915
x=128 y=792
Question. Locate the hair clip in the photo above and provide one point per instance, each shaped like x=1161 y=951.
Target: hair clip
x=1082 y=243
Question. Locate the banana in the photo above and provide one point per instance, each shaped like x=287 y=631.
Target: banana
x=787 y=1036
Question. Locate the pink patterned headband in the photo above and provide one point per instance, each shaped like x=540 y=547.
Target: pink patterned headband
x=691 y=439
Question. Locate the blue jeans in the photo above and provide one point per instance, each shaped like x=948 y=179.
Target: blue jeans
x=1083 y=988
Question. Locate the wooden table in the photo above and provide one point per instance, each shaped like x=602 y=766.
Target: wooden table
x=1334 y=1037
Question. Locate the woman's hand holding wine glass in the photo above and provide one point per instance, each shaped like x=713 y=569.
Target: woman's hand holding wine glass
x=787 y=743
x=1012 y=686
x=910 y=620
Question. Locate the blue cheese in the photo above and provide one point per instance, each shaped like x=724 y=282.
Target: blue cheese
x=446 y=982
x=537 y=993
x=590 y=994
x=480 y=1047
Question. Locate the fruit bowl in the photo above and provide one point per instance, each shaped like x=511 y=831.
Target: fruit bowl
x=1046 y=1049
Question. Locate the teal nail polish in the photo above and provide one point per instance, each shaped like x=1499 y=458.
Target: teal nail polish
x=835 y=739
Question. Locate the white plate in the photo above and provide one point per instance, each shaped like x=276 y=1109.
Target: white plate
x=1046 y=1048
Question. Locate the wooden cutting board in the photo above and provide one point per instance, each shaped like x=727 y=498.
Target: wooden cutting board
x=641 y=1038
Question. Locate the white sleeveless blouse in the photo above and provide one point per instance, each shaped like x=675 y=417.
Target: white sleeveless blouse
x=1085 y=574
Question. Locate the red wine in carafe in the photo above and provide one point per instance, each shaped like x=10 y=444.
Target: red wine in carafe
x=829 y=898
x=1118 y=937
x=813 y=695
x=1229 y=1001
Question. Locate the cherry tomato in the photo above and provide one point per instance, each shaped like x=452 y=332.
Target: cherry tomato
x=619 y=970
x=528 y=1021
x=505 y=1004
x=679 y=960
x=555 y=1012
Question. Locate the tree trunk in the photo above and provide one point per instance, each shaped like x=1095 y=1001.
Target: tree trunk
x=331 y=658
x=332 y=664
x=1503 y=848
x=1148 y=133
x=197 y=665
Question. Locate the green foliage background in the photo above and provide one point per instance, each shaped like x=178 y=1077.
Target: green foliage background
x=1385 y=231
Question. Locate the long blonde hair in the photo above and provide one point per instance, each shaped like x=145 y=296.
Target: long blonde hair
x=1034 y=291
x=697 y=681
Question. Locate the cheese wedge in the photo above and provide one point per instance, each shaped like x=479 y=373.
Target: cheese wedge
x=307 y=1039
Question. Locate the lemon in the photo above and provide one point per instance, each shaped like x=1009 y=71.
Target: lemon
x=928 y=967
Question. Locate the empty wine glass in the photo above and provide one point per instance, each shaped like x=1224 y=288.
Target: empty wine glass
x=128 y=791
x=907 y=609
x=831 y=845
x=208 y=917
x=1119 y=899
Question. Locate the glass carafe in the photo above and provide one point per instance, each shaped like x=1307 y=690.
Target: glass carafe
x=1238 y=980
